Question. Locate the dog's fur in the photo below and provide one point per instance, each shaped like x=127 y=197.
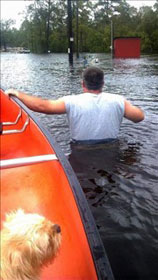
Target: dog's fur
x=28 y=242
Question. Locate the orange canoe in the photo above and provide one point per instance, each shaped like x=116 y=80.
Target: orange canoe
x=37 y=177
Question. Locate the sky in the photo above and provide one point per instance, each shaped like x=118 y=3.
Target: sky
x=10 y=9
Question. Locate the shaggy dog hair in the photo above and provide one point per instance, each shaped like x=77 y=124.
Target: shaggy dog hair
x=28 y=242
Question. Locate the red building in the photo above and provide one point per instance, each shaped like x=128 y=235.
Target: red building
x=126 y=47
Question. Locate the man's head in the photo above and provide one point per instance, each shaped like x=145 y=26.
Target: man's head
x=93 y=78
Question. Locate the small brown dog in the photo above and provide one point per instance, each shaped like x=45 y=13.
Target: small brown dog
x=28 y=242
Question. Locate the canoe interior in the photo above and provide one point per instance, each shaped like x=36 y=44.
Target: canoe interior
x=43 y=188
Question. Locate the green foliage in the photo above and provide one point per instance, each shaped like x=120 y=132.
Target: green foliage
x=7 y=34
x=148 y=28
x=45 y=26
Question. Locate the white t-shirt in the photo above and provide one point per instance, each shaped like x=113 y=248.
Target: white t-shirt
x=94 y=116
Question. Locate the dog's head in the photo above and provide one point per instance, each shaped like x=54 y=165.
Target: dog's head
x=31 y=239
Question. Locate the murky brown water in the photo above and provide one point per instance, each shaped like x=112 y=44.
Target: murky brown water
x=120 y=180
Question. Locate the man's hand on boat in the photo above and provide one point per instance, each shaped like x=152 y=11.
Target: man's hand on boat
x=12 y=91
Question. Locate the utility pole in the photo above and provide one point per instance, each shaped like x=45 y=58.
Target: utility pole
x=112 y=38
x=77 y=46
x=48 y=26
x=70 y=35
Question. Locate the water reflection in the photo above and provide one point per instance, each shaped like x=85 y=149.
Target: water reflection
x=119 y=199
x=100 y=167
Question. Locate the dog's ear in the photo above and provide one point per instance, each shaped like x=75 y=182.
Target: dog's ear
x=15 y=258
x=21 y=256
x=15 y=250
x=23 y=264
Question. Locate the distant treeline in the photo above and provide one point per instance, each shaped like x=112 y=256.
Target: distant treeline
x=45 y=26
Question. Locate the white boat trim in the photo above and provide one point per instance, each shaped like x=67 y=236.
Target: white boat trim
x=26 y=160
x=15 y=122
x=12 y=131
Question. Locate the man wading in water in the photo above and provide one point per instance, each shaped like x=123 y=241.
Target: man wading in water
x=94 y=116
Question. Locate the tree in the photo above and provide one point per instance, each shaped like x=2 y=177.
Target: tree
x=6 y=33
x=47 y=17
x=148 y=28
x=40 y=14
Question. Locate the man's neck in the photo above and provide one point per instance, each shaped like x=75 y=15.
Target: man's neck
x=92 y=91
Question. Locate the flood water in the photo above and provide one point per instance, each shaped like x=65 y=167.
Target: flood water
x=120 y=180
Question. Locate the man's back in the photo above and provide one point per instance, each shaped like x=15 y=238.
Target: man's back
x=94 y=116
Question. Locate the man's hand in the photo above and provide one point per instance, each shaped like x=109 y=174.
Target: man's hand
x=12 y=91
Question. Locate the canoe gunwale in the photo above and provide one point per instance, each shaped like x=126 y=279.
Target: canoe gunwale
x=101 y=262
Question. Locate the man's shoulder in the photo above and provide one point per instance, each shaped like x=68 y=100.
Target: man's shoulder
x=112 y=96
x=72 y=99
x=72 y=96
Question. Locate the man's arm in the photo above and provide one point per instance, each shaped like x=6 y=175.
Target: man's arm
x=38 y=104
x=133 y=113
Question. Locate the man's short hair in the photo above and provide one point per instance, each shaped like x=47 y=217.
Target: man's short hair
x=93 y=78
